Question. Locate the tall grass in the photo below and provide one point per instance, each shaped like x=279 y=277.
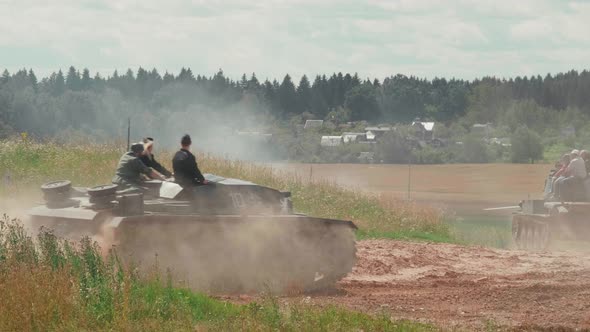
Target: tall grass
x=30 y=164
x=483 y=230
x=50 y=284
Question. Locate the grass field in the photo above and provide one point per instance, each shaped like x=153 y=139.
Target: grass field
x=462 y=191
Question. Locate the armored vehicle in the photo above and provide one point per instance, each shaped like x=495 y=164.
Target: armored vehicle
x=539 y=223
x=228 y=236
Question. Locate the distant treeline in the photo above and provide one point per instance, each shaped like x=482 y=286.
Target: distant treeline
x=95 y=104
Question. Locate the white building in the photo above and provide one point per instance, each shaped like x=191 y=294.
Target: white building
x=331 y=141
x=348 y=137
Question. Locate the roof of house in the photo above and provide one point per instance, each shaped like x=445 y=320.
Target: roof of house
x=428 y=126
x=374 y=129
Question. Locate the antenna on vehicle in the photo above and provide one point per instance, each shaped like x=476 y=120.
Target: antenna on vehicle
x=128 y=133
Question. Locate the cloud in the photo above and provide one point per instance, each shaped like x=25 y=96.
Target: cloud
x=533 y=30
x=376 y=38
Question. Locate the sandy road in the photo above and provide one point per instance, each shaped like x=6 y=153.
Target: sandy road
x=468 y=287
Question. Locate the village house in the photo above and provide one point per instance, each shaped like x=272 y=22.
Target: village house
x=348 y=137
x=425 y=130
x=503 y=141
x=483 y=129
x=313 y=124
x=331 y=141
x=374 y=133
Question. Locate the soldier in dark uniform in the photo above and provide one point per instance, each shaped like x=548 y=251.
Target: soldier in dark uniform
x=149 y=159
x=184 y=164
x=130 y=168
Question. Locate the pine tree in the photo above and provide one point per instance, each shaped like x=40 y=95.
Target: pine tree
x=59 y=85
x=218 y=83
x=5 y=77
x=185 y=75
x=287 y=96
x=362 y=102
x=168 y=78
x=73 y=79
x=129 y=75
x=33 y=80
x=319 y=97
x=355 y=81
x=98 y=83
x=86 y=82
x=154 y=75
x=269 y=92
x=128 y=85
x=189 y=75
x=304 y=95
x=243 y=82
x=253 y=83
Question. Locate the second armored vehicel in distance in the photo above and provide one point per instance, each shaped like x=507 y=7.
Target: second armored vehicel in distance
x=230 y=236
x=541 y=223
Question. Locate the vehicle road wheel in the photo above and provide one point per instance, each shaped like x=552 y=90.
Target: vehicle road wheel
x=542 y=236
x=104 y=190
x=56 y=187
x=518 y=233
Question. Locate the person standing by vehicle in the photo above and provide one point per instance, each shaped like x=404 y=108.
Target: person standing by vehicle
x=184 y=164
x=130 y=169
x=149 y=159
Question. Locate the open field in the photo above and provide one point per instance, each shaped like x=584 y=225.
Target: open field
x=461 y=191
x=462 y=188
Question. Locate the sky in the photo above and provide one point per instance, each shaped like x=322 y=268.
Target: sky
x=374 y=38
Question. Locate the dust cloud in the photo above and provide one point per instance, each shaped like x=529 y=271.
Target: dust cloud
x=234 y=132
x=17 y=205
x=241 y=255
x=216 y=254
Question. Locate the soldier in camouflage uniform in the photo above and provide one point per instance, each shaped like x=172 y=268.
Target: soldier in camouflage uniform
x=130 y=168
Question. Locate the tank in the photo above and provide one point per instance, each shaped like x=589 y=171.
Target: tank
x=541 y=224
x=228 y=236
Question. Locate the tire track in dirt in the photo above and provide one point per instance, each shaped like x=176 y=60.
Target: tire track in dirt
x=469 y=287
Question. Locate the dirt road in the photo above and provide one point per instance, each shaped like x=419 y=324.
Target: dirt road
x=464 y=288
x=469 y=287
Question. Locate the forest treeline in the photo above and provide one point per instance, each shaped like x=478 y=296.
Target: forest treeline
x=78 y=103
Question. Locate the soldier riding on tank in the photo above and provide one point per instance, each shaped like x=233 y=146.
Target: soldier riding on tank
x=184 y=163
x=130 y=169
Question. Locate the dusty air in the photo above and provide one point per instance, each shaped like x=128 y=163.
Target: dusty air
x=294 y=166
